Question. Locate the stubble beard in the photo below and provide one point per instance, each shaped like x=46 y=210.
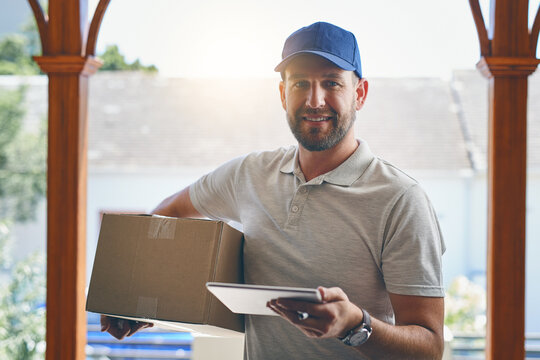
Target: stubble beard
x=312 y=140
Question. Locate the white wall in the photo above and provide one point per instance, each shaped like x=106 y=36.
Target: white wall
x=129 y=192
x=450 y=196
x=532 y=265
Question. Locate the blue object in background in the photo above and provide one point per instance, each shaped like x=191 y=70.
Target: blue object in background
x=147 y=344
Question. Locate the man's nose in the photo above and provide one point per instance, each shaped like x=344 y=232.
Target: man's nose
x=315 y=98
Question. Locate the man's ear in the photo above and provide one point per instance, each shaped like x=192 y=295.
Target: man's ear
x=282 y=94
x=361 y=93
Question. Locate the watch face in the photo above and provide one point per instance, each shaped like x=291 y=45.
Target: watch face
x=359 y=337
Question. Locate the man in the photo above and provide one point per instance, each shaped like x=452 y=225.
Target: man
x=328 y=214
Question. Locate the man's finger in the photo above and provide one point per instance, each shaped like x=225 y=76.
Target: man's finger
x=105 y=323
x=297 y=306
x=137 y=325
x=118 y=328
x=332 y=294
x=309 y=324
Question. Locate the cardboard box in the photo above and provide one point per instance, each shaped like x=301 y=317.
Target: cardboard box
x=155 y=268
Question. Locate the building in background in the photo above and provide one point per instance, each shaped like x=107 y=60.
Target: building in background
x=150 y=136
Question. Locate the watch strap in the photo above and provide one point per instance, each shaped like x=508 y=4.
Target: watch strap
x=364 y=327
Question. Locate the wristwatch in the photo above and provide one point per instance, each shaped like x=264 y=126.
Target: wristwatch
x=359 y=334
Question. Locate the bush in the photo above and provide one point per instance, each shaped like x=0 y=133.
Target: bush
x=465 y=307
x=22 y=308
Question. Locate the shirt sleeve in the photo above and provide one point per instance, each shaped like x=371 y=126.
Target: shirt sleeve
x=215 y=194
x=413 y=246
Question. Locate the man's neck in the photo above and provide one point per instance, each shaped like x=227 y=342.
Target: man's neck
x=315 y=163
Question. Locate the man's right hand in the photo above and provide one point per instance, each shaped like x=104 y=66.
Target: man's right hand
x=120 y=328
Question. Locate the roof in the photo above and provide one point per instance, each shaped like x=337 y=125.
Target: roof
x=413 y=124
x=141 y=121
x=472 y=91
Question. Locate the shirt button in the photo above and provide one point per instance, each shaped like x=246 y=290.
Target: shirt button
x=294 y=209
x=303 y=190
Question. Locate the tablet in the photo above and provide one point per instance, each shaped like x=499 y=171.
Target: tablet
x=252 y=299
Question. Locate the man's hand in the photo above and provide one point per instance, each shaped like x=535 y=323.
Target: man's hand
x=120 y=328
x=418 y=333
x=334 y=317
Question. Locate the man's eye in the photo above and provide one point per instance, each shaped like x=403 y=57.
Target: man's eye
x=332 y=84
x=301 y=84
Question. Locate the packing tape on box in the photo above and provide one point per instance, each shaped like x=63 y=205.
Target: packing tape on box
x=147 y=307
x=161 y=228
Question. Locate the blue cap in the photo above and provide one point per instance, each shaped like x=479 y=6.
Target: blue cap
x=329 y=41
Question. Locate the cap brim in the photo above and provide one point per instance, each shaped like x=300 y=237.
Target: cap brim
x=339 y=62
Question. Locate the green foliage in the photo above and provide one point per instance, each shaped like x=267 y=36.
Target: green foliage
x=113 y=60
x=15 y=56
x=16 y=50
x=22 y=185
x=22 y=160
x=22 y=311
x=11 y=113
x=12 y=48
x=465 y=307
x=31 y=34
x=5 y=246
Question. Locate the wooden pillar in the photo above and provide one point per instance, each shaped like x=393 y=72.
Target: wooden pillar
x=508 y=58
x=68 y=46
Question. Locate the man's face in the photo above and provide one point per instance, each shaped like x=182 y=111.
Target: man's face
x=320 y=101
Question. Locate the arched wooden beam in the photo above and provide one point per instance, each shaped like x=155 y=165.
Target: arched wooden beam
x=534 y=32
x=94 y=27
x=42 y=21
x=485 y=44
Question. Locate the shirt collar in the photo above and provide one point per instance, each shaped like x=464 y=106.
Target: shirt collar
x=289 y=164
x=345 y=174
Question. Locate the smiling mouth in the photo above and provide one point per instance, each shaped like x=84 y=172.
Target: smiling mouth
x=317 y=119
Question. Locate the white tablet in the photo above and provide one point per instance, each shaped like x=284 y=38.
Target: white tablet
x=252 y=299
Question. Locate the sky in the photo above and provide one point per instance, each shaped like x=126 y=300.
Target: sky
x=244 y=38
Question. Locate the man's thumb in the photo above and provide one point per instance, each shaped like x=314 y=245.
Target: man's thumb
x=332 y=294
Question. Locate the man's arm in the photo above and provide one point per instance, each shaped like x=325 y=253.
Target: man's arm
x=176 y=205
x=418 y=333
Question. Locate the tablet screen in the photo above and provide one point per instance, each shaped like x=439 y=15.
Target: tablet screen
x=252 y=299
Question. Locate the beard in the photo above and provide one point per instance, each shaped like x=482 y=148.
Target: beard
x=314 y=139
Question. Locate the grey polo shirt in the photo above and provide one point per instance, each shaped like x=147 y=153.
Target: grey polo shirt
x=365 y=226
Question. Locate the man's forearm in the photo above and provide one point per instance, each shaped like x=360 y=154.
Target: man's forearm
x=417 y=335
x=402 y=342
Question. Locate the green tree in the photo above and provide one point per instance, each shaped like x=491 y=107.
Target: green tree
x=16 y=51
x=22 y=160
x=22 y=311
x=15 y=58
x=113 y=60
x=30 y=32
x=22 y=185
x=465 y=307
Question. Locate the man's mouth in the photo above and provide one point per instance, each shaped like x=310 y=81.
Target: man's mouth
x=317 y=118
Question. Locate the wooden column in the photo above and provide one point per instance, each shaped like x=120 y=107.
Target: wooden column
x=68 y=45
x=508 y=58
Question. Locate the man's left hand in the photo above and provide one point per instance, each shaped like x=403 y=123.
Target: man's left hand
x=334 y=317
